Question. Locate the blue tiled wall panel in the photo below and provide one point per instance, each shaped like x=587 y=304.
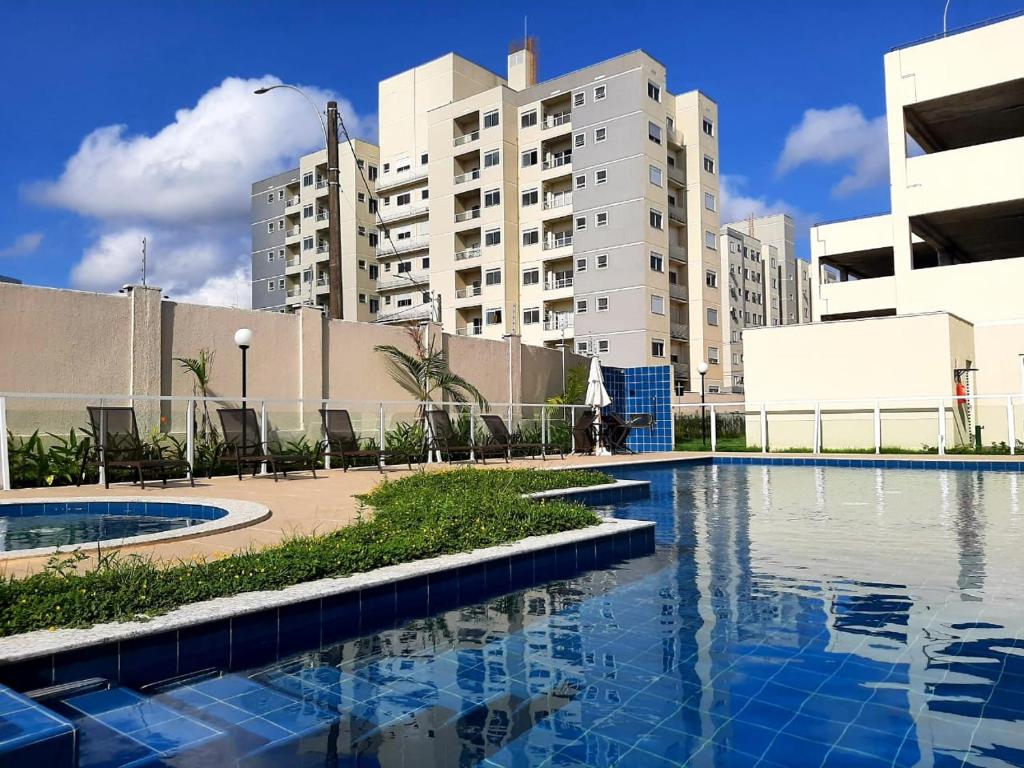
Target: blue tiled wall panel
x=32 y=736
x=645 y=389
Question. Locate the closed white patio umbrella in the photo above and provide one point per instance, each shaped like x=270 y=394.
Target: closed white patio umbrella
x=597 y=398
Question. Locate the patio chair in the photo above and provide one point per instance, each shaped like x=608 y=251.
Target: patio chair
x=583 y=433
x=501 y=436
x=617 y=432
x=445 y=439
x=341 y=441
x=115 y=443
x=242 y=438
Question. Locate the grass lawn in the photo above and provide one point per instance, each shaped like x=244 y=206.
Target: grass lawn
x=414 y=518
x=723 y=444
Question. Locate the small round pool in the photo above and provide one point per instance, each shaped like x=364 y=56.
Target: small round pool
x=34 y=527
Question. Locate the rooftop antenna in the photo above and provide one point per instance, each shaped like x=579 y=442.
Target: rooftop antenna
x=750 y=223
x=143 y=262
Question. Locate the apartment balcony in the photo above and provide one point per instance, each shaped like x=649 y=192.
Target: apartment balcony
x=558 y=322
x=389 y=181
x=292 y=202
x=677 y=291
x=677 y=253
x=556 y=246
x=678 y=331
x=556 y=201
x=468 y=253
x=677 y=214
x=411 y=313
x=292 y=232
x=681 y=370
x=557 y=120
x=674 y=136
x=468 y=292
x=466 y=138
x=676 y=176
x=465 y=178
x=322 y=250
x=462 y=216
x=561 y=161
x=391 y=246
x=876 y=294
x=469 y=330
x=392 y=280
x=322 y=187
x=563 y=285
x=323 y=284
x=400 y=214
x=294 y=293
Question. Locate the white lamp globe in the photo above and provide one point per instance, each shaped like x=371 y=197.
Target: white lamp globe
x=702 y=367
x=243 y=337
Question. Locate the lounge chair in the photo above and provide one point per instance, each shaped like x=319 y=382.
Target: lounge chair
x=115 y=433
x=616 y=432
x=501 y=436
x=583 y=433
x=341 y=441
x=242 y=438
x=445 y=439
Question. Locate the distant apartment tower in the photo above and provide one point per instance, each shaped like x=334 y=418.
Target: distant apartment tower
x=581 y=209
x=5 y=279
x=290 y=220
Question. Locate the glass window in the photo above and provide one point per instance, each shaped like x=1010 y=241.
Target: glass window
x=708 y=127
x=531 y=276
x=600 y=91
x=581 y=264
x=658 y=305
x=602 y=346
x=579 y=99
x=709 y=164
x=601 y=219
x=711 y=279
x=531 y=316
x=531 y=237
x=581 y=306
x=581 y=223
x=709 y=201
x=601 y=261
x=528 y=119
x=711 y=240
x=491 y=119
x=493 y=316
x=657 y=262
x=600 y=134
x=654 y=132
x=654 y=175
x=492 y=237
x=712 y=316
x=581 y=181
x=653 y=90
x=530 y=197
x=492 y=277
x=579 y=140
x=529 y=158
x=602 y=303
x=491 y=158
x=307 y=179
x=657 y=220
x=657 y=348
x=492 y=198
x=601 y=176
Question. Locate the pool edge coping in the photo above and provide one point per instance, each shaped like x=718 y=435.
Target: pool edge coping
x=240 y=514
x=27 y=646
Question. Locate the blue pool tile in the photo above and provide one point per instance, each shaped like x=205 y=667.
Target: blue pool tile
x=93 y=661
x=411 y=598
x=377 y=607
x=545 y=567
x=586 y=555
x=28 y=675
x=340 y=617
x=521 y=572
x=565 y=561
x=472 y=583
x=254 y=639
x=204 y=646
x=443 y=590
x=148 y=659
x=299 y=626
x=498 y=575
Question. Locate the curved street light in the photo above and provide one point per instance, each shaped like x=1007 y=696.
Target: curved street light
x=302 y=93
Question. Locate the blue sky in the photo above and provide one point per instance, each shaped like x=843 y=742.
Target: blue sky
x=75 y=68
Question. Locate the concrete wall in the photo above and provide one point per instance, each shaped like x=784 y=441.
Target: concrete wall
x=69 y=342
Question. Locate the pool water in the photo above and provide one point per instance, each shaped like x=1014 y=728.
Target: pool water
x=791 y=616
x=58 y=524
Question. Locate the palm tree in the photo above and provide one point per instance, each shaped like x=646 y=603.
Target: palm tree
x=425 y=373
x=201 y=369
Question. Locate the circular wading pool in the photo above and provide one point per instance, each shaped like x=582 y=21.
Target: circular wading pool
x=33 y=527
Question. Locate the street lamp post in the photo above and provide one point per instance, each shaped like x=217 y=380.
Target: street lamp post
x=243 y=338
x=702 y=369
x=330 y=129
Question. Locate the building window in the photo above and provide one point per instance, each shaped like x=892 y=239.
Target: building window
x=581 y=264
x=601 y=176
x=492 y=198
x=657 y=221
x=270 y=286
x=492 y=277
x=404 y=266
x=386 y=167
x=270 y=197
x=424 y=158
x=657 y=348
x=530 y=197
x=579 y=99
x=711 y=240
x=709 y=164
x=711 y=278
x=270 y=226
x=708 y=127
x=657 y=262
x=709 y=201
x=600 y=134
x=528 y=119
x=653 y=91
x=492 y=316
x=657 y=305
x=713 y=389
x=581 y=306
x=280 y=284
x=361 y=197
x=713 y=355
x=602 y=303
x=491 y=158
x=531 y=237
x=712 y=316
x=600 y=91
x=654 y=175
x=531 y=276
x=579 y=140
x=531 y=316
x=374 y=271
x=362 y=231
x=424 y=194
x=307 y=179
x=371 y=170
x=492 y=237
x=654 y=132
x=601 y=261
x=491 y=119
x=601 y=219
x=581 y=181
x=362 y=298
x=582 y=347
x=374 y=305
x=602 y=346
x=581 y=223
x=404 y=199
x=307 y=243
x=270 y=257
x=362 y=263
x=425 y=262
x=529 y=158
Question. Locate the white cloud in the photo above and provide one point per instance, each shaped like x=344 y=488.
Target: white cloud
x=737 y=204
x=187 y=187
x=840 y=136
x=22 y=245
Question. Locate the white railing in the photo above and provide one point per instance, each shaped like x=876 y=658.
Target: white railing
x=291 y=232
x=293 y=261
x=557 y=242
x=462 y=178
x=468 y=293
x=386 y=246
x=557 y=201
x=677 y=214
x=293 y=201
x=465 y=138
x=323 y=282
x=469 y=330
x=558 y=322
x=293 y=292
x=406 y=314
x=473 y=213
x=322 y=184
x=322 y=249
x=468 y=253
x=402 y=279
x=553 y=121
x=677 y=291
x=554 y=285
x=677 y=330
x=323 y=216
x=556 y=162
x=388 y=180
x=404 y=213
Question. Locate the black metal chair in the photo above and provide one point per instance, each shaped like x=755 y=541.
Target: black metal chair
x=583 y=433
x=115 y=443
x=242 y=438
x=616 y=433
x=500 y=435
x=341 y=441
x=446 y=440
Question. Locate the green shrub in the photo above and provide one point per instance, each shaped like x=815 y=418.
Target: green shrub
x=416 y=517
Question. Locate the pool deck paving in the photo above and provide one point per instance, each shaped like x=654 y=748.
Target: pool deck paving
x=302 y=505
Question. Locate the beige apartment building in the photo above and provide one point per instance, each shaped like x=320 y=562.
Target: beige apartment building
x=290 y=220
x=914 y=301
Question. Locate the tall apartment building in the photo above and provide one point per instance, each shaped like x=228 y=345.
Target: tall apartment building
x=579 y=210
x=766 y=284
x=290 y=220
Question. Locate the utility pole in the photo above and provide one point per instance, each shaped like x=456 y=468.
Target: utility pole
x=143 y=262
x=334 y=221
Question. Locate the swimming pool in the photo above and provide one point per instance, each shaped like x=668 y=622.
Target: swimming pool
x=790 y=616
